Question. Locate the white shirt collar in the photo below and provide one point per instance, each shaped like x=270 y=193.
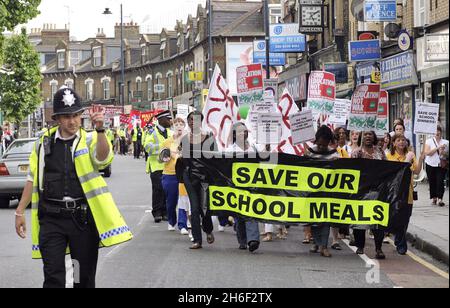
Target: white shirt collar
x=58 y=136
x=161 y=128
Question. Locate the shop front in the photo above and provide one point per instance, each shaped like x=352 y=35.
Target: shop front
x=433 y=66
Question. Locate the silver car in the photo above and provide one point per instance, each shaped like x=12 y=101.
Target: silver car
x=14 y=169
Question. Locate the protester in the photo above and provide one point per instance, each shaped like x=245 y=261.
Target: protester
x=369 y=149
x=353 y=145
x=322 y=150
x=169 y=156
x=386 y=143
x=401 y=153
x=247 y=230
x=341 y=138
x=195 y=177
x=436 y=151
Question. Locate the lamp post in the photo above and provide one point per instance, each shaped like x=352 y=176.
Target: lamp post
x=267 y=38
x=122 y=59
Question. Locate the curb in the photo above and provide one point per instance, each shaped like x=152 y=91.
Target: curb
x=420 y=240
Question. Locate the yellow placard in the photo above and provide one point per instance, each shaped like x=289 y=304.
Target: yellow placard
x=196 y=76
x=298 y=209
x=295 y=178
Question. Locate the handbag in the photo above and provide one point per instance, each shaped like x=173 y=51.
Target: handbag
x=443 y=160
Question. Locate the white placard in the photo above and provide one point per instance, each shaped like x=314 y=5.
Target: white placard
x=182 y=111
x=341 y=110
x=426 y=120
x=271 y=85
x=269 y=129
x=302 y=127
x=268 y=106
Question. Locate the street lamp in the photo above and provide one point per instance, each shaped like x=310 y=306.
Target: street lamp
x=122 y=59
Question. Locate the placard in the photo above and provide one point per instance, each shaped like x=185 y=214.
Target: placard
x=426 y=120
x=365 y=100
x=302 y=127
x=269 y=129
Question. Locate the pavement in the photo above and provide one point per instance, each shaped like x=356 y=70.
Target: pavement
x=429 y=226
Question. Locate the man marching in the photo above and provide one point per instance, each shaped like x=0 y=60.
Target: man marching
x=153 y=144
x=72 y=209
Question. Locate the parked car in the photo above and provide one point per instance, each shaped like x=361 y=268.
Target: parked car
x=14 y=169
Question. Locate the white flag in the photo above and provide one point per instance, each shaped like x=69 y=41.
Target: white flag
x=220 y=111
x=287 y=107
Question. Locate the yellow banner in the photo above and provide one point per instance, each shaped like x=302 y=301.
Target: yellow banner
x=304 y=179
x=298 y=209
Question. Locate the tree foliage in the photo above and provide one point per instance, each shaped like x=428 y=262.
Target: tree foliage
x=20 y=89
x=16 y=12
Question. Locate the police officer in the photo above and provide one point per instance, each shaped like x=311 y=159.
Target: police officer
x=72 y=209
x=152 y=144
x=136 y=135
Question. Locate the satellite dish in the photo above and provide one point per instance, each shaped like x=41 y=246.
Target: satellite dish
x=392 y=30
x=358 y=9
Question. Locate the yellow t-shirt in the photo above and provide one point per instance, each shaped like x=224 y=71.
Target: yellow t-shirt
x=182 y=190
x=169 y=167
x=401 y=158
x=342 y=153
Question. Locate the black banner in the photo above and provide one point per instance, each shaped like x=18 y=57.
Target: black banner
x=303 y=190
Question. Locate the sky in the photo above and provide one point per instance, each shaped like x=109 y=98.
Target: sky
x=85 y=16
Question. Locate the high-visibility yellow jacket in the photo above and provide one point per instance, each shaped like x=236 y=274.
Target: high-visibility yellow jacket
x=122 y=133
x=110 y=135
x=152 y=145
x=110 y=224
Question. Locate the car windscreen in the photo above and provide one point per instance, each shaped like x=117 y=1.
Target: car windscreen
x=20 y=147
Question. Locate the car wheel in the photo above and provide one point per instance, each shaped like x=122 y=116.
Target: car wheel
x=4 y=203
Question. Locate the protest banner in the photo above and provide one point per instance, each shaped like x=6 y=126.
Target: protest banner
x=341 y=111
x=302 y=127
x=303 y=190
x=321 y=92
x=427 y=117
x=269 y=129
x=220 y=111
x=250 y=86
x=363 y=115
x=382 y=124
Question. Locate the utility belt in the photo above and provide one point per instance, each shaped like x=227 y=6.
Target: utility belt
x=77 y=209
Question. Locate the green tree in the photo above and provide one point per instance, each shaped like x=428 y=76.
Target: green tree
x=20 y=90
x=16 y=12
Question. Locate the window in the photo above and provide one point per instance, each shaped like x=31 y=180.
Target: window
x=53 y=88
x=170 y=85
x=89 y=90
x=106 y=89
x=75 y=57
x=97 y=56
x=144 y=54
x=420 y=18
x=69 y=83
x=61 y=60
x=149 y=89
x=138 y=85
x=275 y=15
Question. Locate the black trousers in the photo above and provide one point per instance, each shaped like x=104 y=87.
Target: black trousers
x=199 y=199
x=158 y=195
x=123 y=146
x=360 y=238
x=56 y=234
x=436 y=178
x=137 y=149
